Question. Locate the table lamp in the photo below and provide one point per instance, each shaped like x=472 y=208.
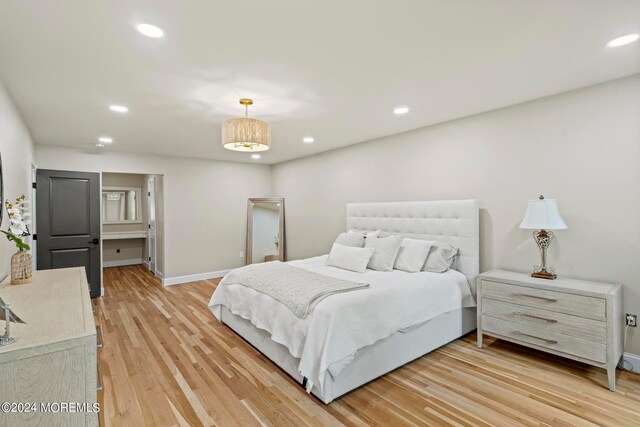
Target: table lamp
x=542 y=215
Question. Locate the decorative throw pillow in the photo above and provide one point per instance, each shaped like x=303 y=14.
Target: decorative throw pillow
x=352 y=238
x=440 y=258
x=412 y=254
x=349 y=258
x=385 y=252
x=367 y=234
x=371 y=235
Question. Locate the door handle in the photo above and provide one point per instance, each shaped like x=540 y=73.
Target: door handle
x=94 y=241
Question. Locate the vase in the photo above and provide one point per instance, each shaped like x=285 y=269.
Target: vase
x=21 y=268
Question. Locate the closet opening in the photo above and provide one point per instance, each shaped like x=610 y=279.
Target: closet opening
x=132 y=220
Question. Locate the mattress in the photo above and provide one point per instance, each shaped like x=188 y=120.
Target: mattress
x=330 y=337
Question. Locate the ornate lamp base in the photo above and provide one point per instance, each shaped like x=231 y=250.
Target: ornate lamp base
x=543 y=238
x=7 y=340
x=544 y=274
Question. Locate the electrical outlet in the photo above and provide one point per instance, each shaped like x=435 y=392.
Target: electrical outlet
x=241 y=254
x=632 y=320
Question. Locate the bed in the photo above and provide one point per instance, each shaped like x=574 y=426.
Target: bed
x=448 y=298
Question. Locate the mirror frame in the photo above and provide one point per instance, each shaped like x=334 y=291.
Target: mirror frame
x=281 y=246
x=138 y=191
x=2 y=206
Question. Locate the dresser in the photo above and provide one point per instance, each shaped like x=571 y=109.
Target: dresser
x=53 y=363
x=577 y=319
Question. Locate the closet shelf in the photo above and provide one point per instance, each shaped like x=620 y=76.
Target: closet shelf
x=116 y=235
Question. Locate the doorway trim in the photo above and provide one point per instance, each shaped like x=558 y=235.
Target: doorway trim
x=152 y=234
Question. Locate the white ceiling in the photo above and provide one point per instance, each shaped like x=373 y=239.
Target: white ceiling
x=332 y=69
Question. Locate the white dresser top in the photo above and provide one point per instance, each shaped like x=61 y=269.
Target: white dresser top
x=56 y=307
x=582 y=287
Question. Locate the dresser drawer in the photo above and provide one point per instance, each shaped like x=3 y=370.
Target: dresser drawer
x=578 y=305
x=544 y=338
x=565 y=324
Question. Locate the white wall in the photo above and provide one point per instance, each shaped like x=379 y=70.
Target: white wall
x=205 y=202
x=581 y=147
x=16 y=149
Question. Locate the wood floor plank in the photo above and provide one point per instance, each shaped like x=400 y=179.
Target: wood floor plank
x=167 y=361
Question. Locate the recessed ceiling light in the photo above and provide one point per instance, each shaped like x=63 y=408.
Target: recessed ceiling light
x=99 y=144
x=105 y=139
x=255 y=156
x=308 y=139
x=118 y=108
x=150 y=30
x=398 y=111
x=621 y=41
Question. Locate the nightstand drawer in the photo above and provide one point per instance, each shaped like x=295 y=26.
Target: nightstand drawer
x=565 y=324
x=544 y=338
x=577 y=305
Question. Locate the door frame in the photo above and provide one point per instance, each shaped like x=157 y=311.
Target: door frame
x=152 y=206
x=33 y=171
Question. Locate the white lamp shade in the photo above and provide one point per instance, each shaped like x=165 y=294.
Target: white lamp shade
x=543 y=214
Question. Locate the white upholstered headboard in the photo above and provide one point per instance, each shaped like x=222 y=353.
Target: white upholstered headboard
x=452 y=221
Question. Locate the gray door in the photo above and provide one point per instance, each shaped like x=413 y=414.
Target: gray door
x=68 y=222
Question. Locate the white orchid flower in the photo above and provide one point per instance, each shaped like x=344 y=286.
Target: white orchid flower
x=19 y=225
x=17 y=231
x=14 y=211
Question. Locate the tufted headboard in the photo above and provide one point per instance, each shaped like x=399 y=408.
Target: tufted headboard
x=452 y=221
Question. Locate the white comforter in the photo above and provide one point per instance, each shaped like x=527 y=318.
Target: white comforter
x=330 y=337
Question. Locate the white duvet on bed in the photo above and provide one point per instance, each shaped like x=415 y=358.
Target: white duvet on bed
x=330 y=337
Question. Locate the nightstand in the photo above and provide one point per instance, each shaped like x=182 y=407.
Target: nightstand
x=577 y=319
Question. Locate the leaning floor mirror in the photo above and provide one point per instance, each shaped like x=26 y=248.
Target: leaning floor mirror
x=265 y=230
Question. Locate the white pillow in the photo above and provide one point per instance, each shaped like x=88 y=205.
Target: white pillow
x=371 y=235
x=440 y=258
x=386 y=251
x=412 y=255
x=349 y=258
x=352 y=238
x=367 y=234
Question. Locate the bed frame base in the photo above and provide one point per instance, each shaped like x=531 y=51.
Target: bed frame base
x=371 y=362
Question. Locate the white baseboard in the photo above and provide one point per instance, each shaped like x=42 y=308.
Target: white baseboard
x=631 y=362
x=169 y=281
x=159 y=274
x=122 y=262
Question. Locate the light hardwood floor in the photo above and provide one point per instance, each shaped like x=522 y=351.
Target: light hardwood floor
x=167 y=361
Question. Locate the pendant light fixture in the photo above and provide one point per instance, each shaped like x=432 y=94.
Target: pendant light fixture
x=245 y=134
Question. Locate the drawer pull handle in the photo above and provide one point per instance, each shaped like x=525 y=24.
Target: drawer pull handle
x=517 y=313
x=533 y=336
x=99 y=379
x=98 y=337
x=536 y=296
